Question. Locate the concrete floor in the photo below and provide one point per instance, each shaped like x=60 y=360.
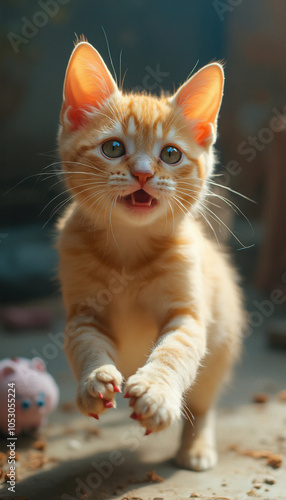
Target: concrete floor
x=73 y=444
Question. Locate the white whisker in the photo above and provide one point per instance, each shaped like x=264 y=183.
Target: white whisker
x=231 y=190
x=216 y=217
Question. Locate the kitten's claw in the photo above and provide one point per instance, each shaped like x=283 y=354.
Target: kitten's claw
x=94 y=415
x=135 y=416
x=96 y=392
x=108 y=404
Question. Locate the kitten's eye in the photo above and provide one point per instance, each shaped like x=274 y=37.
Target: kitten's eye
x=170 y=154
x=113 y=149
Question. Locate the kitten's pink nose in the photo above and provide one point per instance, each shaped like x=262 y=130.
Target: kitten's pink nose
x=142 y=176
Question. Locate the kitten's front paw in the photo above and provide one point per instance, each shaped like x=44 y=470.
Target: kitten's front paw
x=199 y=458
x=96 y=392
x=155 y=404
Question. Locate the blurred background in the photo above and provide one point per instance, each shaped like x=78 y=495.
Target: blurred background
x=160 y=43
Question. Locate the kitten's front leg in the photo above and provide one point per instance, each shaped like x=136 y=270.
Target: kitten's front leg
x=156 y=390
x=92 y=355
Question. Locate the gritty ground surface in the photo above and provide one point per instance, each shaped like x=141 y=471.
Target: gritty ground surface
x=78 y=457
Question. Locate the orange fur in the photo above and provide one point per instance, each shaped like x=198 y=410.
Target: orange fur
x=145 y=283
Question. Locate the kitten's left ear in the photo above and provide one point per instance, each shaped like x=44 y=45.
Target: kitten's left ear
x=88 y=83
x=199 y=100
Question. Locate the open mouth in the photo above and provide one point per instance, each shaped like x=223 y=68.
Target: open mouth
x=139 y=199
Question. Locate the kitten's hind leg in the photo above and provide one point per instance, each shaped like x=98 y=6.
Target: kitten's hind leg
x=198 y=444
x=198 y=448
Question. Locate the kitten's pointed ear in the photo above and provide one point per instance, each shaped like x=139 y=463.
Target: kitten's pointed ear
x=88 y=83
x=199 y=100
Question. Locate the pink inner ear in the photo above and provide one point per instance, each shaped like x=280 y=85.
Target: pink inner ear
x=203 y=133
x=87 y=83
x=200 y=98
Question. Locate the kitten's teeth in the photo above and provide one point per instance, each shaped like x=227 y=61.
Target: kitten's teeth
x=133 y=199
x=149 y=203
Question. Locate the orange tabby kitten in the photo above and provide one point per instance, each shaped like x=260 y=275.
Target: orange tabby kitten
x=149 y=298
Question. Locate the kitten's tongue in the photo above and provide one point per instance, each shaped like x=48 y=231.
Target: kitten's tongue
x=141 y=197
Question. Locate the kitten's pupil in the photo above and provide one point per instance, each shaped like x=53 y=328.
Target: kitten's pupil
x=113 y=149
x=170 y=154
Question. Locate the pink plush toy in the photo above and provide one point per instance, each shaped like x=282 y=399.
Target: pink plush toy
x=35 y=392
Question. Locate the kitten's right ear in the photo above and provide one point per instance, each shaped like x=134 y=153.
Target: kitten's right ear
x=88 y=83
x=199 y=100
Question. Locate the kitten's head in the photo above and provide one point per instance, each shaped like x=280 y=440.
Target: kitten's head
x=134 y=157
